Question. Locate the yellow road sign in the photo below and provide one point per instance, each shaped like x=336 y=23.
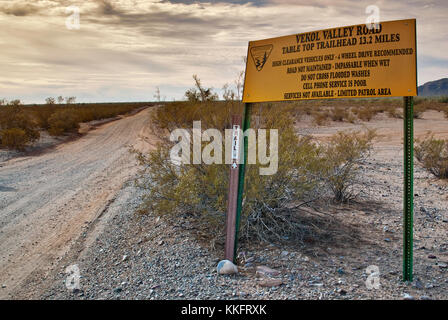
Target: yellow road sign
x=346 y=62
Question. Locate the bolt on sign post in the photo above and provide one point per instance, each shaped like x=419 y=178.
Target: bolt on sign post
x=233 y=189
x=356 y=61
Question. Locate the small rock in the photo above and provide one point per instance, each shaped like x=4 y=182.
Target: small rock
x=431 y=256
x=270 y=282
x=442 y=265
x=3 y=286
x=418 y=284
x=317 y=284
x=226 y=267
x=250 y=259
x=161 y=242
x=118 y=289
x=408 y=297
x=125 y=257
x=263 y=271
x=341 y=271
x=342 y=292
x=284 y=253
x=387 y=239
x=425 y=298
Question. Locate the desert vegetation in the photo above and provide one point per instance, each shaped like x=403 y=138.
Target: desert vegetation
x=432 y=154
x=310 y=172
x=21 y=124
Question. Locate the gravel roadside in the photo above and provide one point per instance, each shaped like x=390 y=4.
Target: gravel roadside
x=144 y=257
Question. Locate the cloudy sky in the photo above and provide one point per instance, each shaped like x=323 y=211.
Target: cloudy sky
x=124 y=49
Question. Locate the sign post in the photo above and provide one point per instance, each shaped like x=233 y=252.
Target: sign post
x=356 y=61
x=408 y=203
x=246 y=125
x=233 y=190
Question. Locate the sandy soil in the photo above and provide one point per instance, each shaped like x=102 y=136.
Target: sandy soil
x=47 y=201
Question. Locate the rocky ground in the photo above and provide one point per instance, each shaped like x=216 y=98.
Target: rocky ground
x=145 y=257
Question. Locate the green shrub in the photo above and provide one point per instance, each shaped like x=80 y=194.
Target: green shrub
x=394 y=112
x=200 y=191
x=419 y=109
x=63 y=121
x=320 y=117
x=13 y=138
x=339 y=114
x=17 y=117
x=274 y=206
x=42 y=114
x=365 y=113
x=341 y=157
x=433 y=155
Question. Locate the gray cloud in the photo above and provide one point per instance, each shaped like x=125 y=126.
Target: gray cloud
x=18 y=9
x=125 y=48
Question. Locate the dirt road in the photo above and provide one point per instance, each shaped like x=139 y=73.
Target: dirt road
x=48 y=201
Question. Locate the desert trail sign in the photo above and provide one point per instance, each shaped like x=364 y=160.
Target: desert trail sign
x=346 y=62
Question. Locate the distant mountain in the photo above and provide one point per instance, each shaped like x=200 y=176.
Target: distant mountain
x=434 y=88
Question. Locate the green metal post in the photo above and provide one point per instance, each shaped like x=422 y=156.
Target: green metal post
x=408 y=188
x=239 y=208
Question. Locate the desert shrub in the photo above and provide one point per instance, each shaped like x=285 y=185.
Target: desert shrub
x=443 y=99
x=304 y=109
x=62 y=121
x=319 y=117
x=394 y=112
x=419 y=100
x=31 y=117
x=200 y=191
x=13 y=138
x=365 y=113
x=200 y=93
x=419 y=109
x=433 y=155
x=42 y=114
x=339 y=114
x=342 y=156
x=16 y=117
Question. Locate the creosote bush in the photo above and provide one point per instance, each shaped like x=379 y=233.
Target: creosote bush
x=55 y=118
x=17 y=127
x=432 y=154
x=62 y=121
x=339 y=114
x=342 y=156
x=273 y=205
x=13 y=138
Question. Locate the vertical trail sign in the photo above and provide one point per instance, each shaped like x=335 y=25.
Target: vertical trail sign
x=356 y=61
x=233 y=190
